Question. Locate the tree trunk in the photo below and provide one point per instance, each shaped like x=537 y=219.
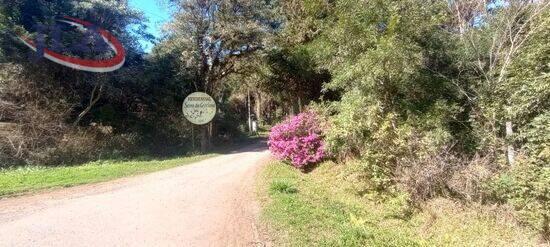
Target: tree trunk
x=248 y=106
x=94 y=98
x=511 y=151
x=291 y=108
x=193 y=137
x=210 y=134
x=258 y=107
x=204 y=138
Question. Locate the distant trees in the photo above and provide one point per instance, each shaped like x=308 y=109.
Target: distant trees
x=288 y=72
x=214 y=36
x=295 y=77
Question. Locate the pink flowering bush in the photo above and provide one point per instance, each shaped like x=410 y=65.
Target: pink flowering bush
x=298 y=140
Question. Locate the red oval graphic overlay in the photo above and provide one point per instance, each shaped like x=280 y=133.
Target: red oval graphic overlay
x=90 y=65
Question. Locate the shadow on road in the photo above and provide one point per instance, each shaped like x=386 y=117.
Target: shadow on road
x=258 y=144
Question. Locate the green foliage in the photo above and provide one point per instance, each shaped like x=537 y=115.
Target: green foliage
x=383 y=69
x=394 y=108
x=526 y=93
x=526 y=188
x=425 y=91
x=215 y=35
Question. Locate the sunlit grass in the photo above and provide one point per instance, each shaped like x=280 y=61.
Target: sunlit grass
x=323 y=208
x=28 y=179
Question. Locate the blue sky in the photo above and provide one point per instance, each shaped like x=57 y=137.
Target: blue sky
x=157 y=13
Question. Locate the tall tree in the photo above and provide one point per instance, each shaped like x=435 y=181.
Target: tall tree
x=214 y=36
x=492 y=34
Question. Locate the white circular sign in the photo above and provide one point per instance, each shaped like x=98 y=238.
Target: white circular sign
x=199 y=108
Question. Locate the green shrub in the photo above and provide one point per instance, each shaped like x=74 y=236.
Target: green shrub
x=526 y=187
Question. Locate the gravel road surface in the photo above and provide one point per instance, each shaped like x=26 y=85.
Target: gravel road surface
x=208 y=203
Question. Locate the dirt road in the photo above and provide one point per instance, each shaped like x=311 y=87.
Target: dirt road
x=209 y=203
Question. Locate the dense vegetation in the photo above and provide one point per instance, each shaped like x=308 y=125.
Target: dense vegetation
x=434 y=99
x=430 y=98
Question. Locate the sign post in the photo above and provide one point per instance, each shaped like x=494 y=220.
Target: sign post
x=199 y=108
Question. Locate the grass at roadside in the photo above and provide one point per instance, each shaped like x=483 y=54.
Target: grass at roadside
x=28 y=179
x=323 y=208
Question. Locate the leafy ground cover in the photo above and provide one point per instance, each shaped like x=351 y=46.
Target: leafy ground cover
x=325 y=208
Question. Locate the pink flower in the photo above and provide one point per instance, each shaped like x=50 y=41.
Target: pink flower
x=298 y=140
